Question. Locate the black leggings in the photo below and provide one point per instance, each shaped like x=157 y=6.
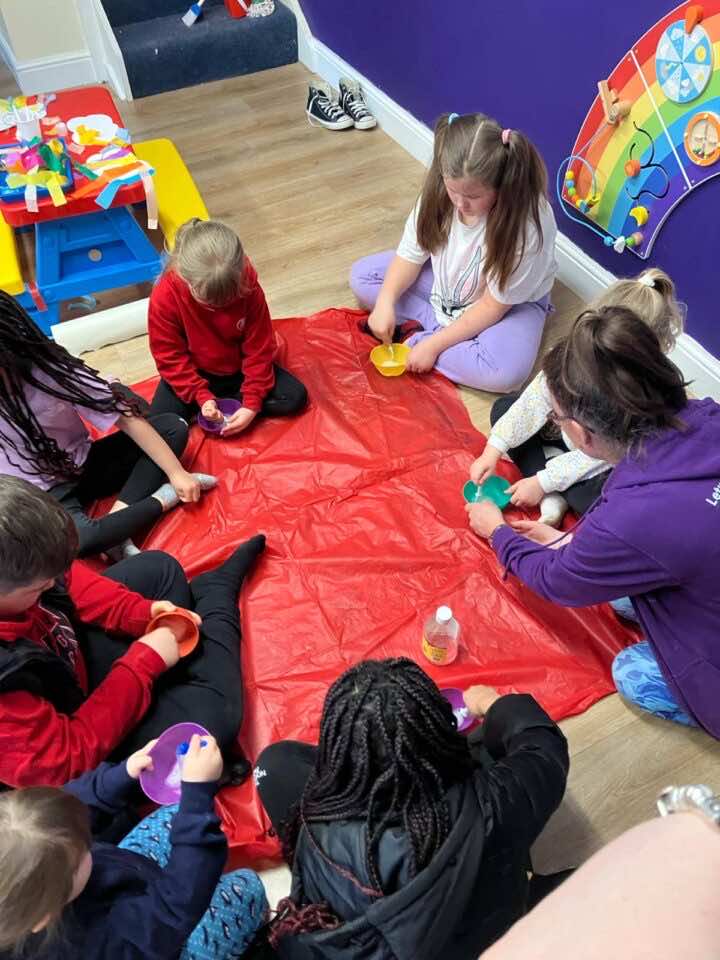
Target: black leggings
x=117 y=462
x=287 y=397
x=206 y=686
x=281 y=772
x=530 y=458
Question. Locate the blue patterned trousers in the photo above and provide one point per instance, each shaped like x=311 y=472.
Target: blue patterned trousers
x=638 y=678
x=238 y=906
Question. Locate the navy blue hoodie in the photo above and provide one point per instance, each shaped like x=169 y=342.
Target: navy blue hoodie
x=132 y=908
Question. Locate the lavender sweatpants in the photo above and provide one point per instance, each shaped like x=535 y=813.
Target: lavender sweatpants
x=499 y=359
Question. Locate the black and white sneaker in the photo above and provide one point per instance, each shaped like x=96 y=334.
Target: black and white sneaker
x=322 y=108
x=353 y=103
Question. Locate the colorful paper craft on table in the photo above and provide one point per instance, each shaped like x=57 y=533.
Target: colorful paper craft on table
x=652 y=134
x=97 y=130
x=25 y=113
x=115 y=167
x=36 y=169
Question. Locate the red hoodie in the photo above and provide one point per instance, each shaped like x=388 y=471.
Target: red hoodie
x=38 y=745
x=187 y=336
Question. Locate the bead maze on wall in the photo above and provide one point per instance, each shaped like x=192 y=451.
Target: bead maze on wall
x=652 y=133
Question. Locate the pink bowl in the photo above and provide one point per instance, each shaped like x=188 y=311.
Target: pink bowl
x=162 y=783
x=454 y=697
x=227 y=408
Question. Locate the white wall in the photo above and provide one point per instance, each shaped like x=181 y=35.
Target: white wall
x=42 y=28
x=45 y=44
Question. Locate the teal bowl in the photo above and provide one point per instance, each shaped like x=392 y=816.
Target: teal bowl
x=494 y=488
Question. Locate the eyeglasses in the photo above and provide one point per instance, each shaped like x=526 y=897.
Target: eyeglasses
x=558 y=418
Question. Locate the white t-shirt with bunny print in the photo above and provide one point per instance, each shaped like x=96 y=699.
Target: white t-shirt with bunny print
x=458 y=267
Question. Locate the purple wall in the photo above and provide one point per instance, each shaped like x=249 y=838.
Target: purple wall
x=533 y=66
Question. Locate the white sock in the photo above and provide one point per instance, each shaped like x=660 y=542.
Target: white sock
x=553 y=508
x=129 y=549
x=169 y=499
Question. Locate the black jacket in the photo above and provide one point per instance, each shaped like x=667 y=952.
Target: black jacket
x=476 y=886
x=28 y=666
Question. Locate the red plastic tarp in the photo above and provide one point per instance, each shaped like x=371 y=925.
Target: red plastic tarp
x=361 y=502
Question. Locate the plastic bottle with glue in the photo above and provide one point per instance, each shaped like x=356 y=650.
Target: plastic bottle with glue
x=441 y=636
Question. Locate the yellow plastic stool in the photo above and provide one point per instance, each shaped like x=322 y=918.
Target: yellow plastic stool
x=178 y=198
x=11 y=280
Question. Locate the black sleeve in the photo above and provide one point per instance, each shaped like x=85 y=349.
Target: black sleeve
x=527 y=779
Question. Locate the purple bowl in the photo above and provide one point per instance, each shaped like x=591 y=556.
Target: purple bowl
x=162 y=783
x=227 y=408
x=454 y=697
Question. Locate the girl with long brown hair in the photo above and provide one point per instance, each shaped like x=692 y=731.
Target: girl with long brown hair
x=654 y=533
x=476 y=262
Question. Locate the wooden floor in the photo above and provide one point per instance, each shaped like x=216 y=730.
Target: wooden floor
x=307 y=202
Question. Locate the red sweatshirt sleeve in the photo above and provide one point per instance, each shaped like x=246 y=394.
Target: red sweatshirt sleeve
x=39 y=746
x=257 y=346
x=105 y=602
x=169 y=347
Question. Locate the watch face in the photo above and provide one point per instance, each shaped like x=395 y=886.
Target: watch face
x=702 y=139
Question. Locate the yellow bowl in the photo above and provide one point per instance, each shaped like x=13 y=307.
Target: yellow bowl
x=390 y=362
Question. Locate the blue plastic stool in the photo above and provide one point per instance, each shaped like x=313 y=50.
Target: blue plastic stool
x=77 y=256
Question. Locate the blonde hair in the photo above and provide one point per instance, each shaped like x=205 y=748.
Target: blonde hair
x=474 y=146
x=209 y=256
x=651 y=295
x=44 y=834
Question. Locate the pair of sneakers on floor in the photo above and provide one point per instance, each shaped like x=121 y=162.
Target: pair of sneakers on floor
x=346 y=110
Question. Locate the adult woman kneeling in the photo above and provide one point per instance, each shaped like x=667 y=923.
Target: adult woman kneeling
x=654 y=534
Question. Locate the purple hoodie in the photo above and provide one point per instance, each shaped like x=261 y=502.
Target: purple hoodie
x=654 y=535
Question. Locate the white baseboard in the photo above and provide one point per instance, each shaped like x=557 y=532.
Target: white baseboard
x=578 y=271
x=698 y=366
x=49 y=74
x=402 y=126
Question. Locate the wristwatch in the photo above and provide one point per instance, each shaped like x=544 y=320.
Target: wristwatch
x=690 y=798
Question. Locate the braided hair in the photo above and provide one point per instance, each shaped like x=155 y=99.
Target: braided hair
x=26 y=352
x=389 y=751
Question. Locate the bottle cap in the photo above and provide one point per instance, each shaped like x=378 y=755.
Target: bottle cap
x=443 y=615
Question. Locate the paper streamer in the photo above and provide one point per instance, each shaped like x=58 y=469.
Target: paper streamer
x=106 y=196
x=75 y=148
x=150 y=201
x=56 y=192
x=31 y=204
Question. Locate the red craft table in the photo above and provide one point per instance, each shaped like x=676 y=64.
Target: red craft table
x=80 y=247
x=78 y=102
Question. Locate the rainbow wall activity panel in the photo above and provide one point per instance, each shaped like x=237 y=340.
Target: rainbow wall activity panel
x=652 y=134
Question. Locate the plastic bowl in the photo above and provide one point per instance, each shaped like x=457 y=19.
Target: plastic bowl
x=494 y=488
x=463 y=717
x=162 y=784
x=390 y=363
x=182 y=625
x=227 y=408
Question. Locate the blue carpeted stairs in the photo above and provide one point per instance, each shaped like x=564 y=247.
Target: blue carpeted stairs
x=161 y=53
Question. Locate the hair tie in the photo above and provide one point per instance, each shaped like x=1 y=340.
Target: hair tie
x=505 y=136
x=453 y=116
x=647 y=281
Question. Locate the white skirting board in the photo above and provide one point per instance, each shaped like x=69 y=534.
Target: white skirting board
x=578 y=271
x=47 y=74
x=94 y=330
